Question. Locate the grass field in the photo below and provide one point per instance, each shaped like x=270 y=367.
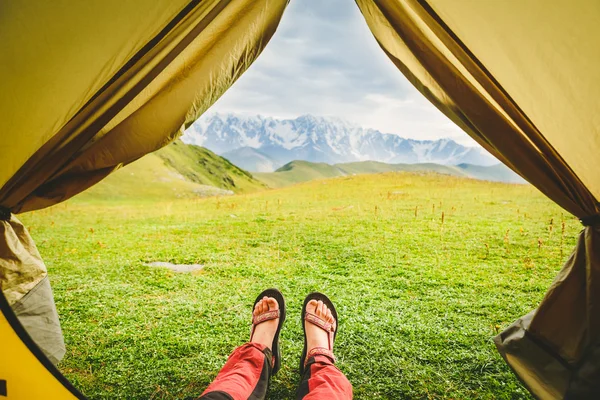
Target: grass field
x=424 y=271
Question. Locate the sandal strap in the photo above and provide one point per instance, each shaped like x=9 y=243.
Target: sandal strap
x=326 y=326
x=266 y=316
x=313 y=319
x=319 y=351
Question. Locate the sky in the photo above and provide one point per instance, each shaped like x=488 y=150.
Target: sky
x=323 y=60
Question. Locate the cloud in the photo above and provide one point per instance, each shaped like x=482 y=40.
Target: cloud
x=323 y=60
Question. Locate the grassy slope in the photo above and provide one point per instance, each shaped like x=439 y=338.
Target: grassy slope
x=201 y=165
x=298 y=171
x=176 y=171
x=419 y=300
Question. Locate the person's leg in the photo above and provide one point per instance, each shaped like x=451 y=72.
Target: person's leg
x=323 y=380
x=320 y=378
x=246 y=373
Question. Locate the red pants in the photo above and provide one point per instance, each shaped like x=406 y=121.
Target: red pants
x=246 y=374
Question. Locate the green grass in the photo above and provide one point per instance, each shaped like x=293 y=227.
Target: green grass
x=419 y=300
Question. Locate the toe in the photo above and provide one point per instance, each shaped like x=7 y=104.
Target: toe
x=263 y=306
x=312 y=306
x=319 y=310
x=259 y=307
x=272 y=304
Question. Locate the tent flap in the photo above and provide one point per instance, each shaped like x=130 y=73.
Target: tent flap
x=544 y=374
x=555 y=350
x=509 y=98
x=577 y=287
x=24 y=283
x=37 y=313
x=21 y=266
x=56 y=55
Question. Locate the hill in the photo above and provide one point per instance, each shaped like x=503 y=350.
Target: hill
x=302 y=171
x=298 y=171
x=261 y=144
x=202 y=166
x=175 y=171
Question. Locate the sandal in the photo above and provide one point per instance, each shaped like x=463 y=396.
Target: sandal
x=331 y=329
x=268 y=316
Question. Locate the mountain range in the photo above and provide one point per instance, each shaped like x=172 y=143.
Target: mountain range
x=264 y=144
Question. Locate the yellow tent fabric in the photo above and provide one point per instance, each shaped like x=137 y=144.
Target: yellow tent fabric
x=25 y=373
x=54 y=74
x=546 y=56
x=522 y=79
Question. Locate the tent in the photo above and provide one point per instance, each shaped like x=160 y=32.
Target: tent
x=88 y=87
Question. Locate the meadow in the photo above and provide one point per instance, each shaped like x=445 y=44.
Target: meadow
x=424 y=270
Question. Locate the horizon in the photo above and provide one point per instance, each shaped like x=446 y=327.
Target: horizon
x=323 y=60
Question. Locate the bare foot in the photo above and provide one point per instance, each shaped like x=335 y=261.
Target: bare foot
x=315 y=336
x=265 y=331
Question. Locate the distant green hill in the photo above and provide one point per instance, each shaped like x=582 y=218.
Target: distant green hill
x=302 y=171
x=298 y=171
x=175 y=171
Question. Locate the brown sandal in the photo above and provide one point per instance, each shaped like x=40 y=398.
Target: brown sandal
x=268 y=316
x=331 y=329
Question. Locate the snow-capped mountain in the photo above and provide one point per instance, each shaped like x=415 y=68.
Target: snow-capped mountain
x=263 y=144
